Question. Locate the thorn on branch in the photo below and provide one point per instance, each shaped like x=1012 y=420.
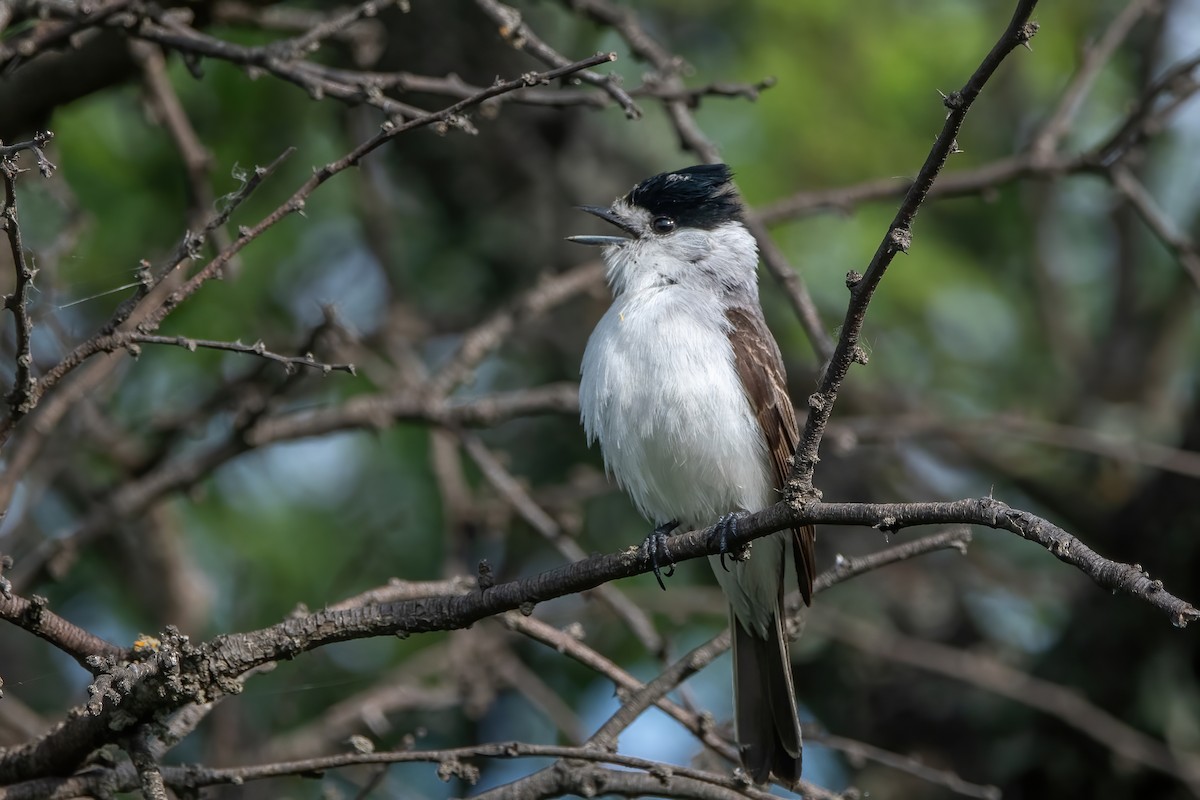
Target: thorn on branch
x=35 y=146
x=952 y=101
x=486 y=577
x=900 y=238
x=32 y=618
x=1027 y=32
x=888 y=525
x=6 y=562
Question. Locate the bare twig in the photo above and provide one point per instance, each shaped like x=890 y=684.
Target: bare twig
x=857 y=750
x=280 y=59
x=366 y=35
x=37 y=146
x=952 y=184
x=381 y=410
x=547 y=293
x=82 y=17
x=127 y=339
x=336 y=23
x=150 y=777
x=23 y=397
x=533 y=514
x=570 y=644
x=1094 y=58
x=1148 y=113
x=455 y=86
x=898 y=239
x=190 y=245
x=994 y=676
x=1180 y=245
x=34 y=616
x=514 y=31
x=197 y=160
x=793 y=287
x=389 y=131
x=1120 y=449
x=957 y=538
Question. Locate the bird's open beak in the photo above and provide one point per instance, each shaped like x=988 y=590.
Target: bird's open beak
x=608 y=215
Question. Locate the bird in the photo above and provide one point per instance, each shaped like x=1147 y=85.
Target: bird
x=683 y=386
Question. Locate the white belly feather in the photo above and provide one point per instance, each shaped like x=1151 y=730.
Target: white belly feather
x=662 y=396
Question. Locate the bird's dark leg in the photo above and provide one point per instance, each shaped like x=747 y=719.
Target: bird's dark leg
x=656 y=549
x=723 y=531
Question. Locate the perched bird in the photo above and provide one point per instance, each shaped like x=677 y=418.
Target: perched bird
x=683 y=386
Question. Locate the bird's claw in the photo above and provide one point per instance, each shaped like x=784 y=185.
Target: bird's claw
x=723 y=531
x=656 y=550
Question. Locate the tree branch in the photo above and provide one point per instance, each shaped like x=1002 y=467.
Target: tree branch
x=23 y=397
x=224 y=659
x=898 y=239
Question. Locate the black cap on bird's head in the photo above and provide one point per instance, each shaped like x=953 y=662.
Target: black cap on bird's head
x=694 y=197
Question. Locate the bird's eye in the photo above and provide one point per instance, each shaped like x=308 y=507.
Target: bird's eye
x=663 y=224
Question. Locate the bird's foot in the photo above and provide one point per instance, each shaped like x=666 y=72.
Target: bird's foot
x=723 y=531
x=656 y=550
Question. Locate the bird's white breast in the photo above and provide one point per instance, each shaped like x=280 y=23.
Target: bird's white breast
x=660 y=392
x=662 y=396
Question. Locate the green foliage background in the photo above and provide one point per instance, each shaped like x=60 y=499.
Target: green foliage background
x=451 y=227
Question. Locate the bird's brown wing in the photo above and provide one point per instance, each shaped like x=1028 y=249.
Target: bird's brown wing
x=760 y=366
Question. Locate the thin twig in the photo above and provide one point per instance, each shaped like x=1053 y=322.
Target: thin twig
x=187 y=249
x=295 y=203
x=1070 y=437
x=44 y=37
x=1094 y=59
x=1148 y=114
x=990 y=674
x=197 y=160
x=23 y=397
x=548 y=292
x=279 y=59
x=1180 y=245
x=34 y=616
x=335 y=24
x=514 y=31
x=126 y=339
x=946 y=779
x=150 y=778
x=957 y=538
x=190 y=244
x=377 y=411
x=537 y=518
x=898 y=239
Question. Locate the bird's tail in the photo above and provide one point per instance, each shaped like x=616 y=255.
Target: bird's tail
x=767 y=727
